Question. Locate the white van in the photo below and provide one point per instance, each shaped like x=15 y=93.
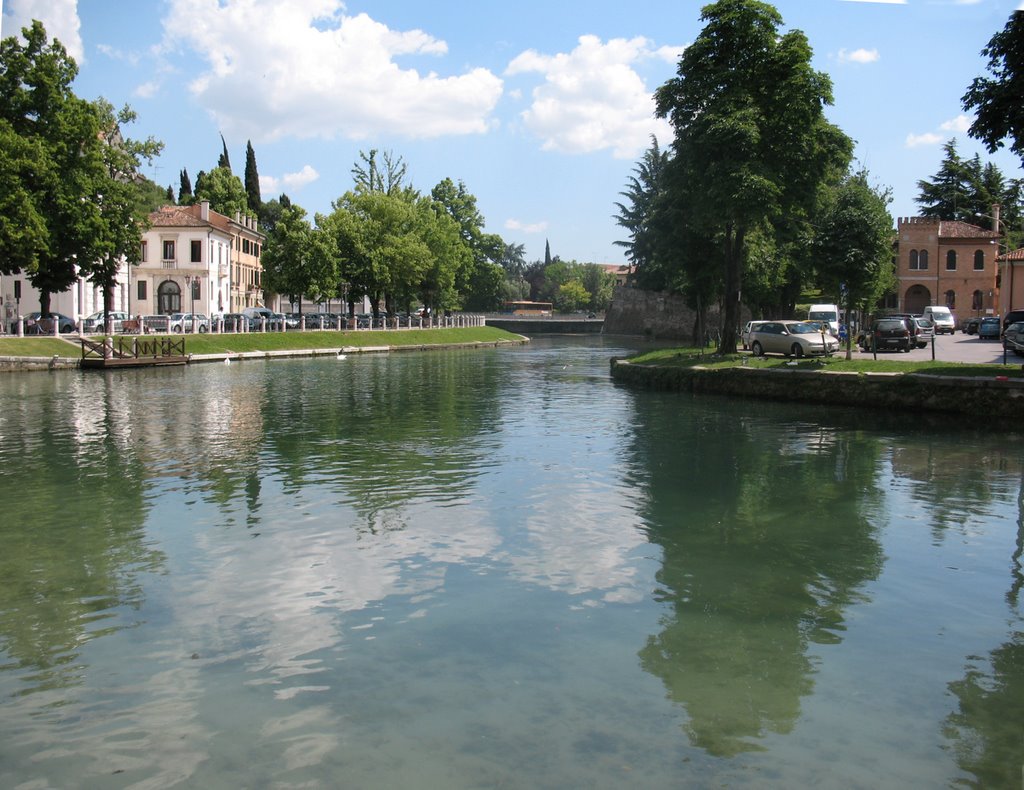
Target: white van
x=941 y=317
x=825 y=312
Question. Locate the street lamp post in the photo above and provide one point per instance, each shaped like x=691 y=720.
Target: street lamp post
x=192 y=314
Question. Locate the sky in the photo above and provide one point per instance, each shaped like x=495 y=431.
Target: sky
x=542 y=108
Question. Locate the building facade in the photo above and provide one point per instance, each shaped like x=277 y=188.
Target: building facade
x=948 y=263
x=194 y=259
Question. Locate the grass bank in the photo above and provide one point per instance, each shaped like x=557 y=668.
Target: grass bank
x=276 y=341
x=692 y=358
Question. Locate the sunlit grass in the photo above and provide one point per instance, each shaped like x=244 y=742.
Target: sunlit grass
x=275 y=341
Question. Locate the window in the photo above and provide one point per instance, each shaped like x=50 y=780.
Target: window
x=143 y=252
x=142 y=289
x=914 y=263
x=197 y=251
x=951 y=300
x=168 y=250
x=976 y=300
x=923 y=260
x=951 y=261
x=979 y=261
x=195 y=288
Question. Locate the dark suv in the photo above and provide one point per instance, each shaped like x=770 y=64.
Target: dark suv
x=1011 y=317
x=890 y=332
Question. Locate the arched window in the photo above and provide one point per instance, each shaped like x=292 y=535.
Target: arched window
x=976 y=300
x=951 y=261
x=951 y=299
x=923 y=260
x=913 y=260
x=168 y=298
x=979 y=261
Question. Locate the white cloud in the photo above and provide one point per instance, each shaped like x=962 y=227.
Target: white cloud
x=270 y=185
x=858 y=56
x=960 y=124
x=304 y=69
x=59 y=17
x=928 y=138
x=147 y=90
x=535 y=227
x=880 y=2
x=592 y=98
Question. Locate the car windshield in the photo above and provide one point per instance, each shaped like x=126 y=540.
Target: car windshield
x=804 y=328
x=990 y=320
x=891 y=325
x=821 y=315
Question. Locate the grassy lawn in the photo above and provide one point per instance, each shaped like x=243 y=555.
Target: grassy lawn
x=690 y=357
x=274 y=341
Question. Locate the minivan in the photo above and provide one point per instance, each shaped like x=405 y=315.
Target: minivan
x=825 y=312
x=942 y=317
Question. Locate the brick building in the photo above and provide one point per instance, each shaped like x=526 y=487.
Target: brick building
x=947 y=262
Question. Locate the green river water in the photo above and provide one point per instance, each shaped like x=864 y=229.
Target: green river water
x=496 y=568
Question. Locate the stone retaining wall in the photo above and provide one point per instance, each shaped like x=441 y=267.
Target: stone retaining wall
x=655 y=314
x=989 y=399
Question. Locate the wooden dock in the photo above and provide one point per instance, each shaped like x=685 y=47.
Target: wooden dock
x=132 y=352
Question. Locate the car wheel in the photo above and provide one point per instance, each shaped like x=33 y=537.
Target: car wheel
x=796 y=350
x=202 y=329
x=756 y=349
x=177 y=329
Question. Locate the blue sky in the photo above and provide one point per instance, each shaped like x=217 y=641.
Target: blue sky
x=541 y=108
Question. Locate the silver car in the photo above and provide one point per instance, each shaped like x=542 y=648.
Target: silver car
x=791 y=338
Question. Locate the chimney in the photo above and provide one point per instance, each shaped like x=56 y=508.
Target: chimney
x=238 y=217
x=204 y=210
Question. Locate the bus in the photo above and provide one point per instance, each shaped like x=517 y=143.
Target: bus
x=527 y=308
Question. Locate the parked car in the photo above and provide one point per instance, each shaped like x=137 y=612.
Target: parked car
x=747 y=329
x=989 y=328
x=94 y=322
x=971 y=325
x=188 y=322
x=275 y=321
x=235 y=322
x=153 y=324
x=888 y=333
x=911 y=321
x=35 y=324
x=1013 y=338
x=925 y=331
x=1012 y=317
x=791 y=338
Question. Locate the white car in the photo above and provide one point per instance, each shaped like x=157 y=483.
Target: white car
x=792 y=339
x=94 y=322
x=745 y=335
x=183 y=322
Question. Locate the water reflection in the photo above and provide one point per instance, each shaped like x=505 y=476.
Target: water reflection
x=490 y=568
x=768 y=534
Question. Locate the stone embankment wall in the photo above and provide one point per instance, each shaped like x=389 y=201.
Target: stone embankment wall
x=655 y=314
x=992 y=400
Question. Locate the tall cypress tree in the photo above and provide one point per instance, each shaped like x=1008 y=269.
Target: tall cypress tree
x=225 y=160
x=184 y=188
x=252 y=179
x=547 y=252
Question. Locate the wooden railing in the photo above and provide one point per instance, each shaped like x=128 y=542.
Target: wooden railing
x=133 y=348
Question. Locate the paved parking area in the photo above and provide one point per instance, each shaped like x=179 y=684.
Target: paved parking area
x=953 y=348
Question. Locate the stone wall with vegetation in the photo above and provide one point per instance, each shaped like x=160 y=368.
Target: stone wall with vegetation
x=999 y=401
x=655 y=314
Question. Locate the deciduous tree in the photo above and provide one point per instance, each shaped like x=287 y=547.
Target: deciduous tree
x=751 y=137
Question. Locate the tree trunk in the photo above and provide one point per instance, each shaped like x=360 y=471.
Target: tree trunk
x=733 y=275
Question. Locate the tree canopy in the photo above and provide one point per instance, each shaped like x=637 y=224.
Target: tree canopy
x=71 y=205
x=752 y=143
x=997 y=100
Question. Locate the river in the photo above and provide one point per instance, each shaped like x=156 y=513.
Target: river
x=496 y=568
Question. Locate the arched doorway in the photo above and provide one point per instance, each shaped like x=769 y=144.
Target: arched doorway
x=917 y=298
x=168 y=298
